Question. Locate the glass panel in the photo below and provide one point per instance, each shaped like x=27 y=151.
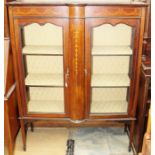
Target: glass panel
x=43 y=60
x=111 y=60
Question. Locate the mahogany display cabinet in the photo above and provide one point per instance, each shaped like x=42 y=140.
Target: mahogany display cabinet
x=77 y=64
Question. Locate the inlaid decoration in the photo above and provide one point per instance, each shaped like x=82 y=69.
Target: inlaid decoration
x=76 y=48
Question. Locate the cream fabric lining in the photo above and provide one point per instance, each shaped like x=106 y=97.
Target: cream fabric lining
x=110 y=70
x=110 y=64
x=106 y=100
x=109 y=94
x=108 y=35
x=42 y=49
x=44 y=70
x=110 y=80
x=44 y=80
x=48 y=34
x=44 y=64
x=111 y=50
x=109 y=106
x=46 y=106
x=46 y=100
x=46 y=93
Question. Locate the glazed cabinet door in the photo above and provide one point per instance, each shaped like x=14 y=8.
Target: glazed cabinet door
x=111 y=60
x=42 y=64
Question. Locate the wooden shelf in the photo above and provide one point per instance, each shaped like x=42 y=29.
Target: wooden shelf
x=42 y=50
x=44 y=80
x=111 y=50
x=46 y=106
x=110 y=80
x=109 y=106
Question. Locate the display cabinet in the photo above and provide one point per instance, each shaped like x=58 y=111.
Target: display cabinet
x=77 y=64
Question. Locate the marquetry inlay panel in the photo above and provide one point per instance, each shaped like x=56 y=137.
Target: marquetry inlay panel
x=41 y=11
x=99 y=11
x=76 y=48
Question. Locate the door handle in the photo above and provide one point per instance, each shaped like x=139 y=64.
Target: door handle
x=66 y=78
x=85 y=71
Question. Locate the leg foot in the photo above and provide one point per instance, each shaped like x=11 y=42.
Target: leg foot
x=125 y=128
x=24 y=147
x=32 y=127
x=129 y=149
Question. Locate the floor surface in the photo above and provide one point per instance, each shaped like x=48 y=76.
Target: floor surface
x=88 y=141
x=43 y=141
x=100 y=141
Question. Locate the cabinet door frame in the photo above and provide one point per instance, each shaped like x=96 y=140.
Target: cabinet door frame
x=19 y=23
x=91 y=23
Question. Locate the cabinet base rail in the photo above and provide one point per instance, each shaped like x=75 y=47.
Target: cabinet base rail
x=78 y=121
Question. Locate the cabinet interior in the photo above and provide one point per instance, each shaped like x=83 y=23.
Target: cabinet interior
x=43 y=64
x=111 y=59
x=46 y=99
